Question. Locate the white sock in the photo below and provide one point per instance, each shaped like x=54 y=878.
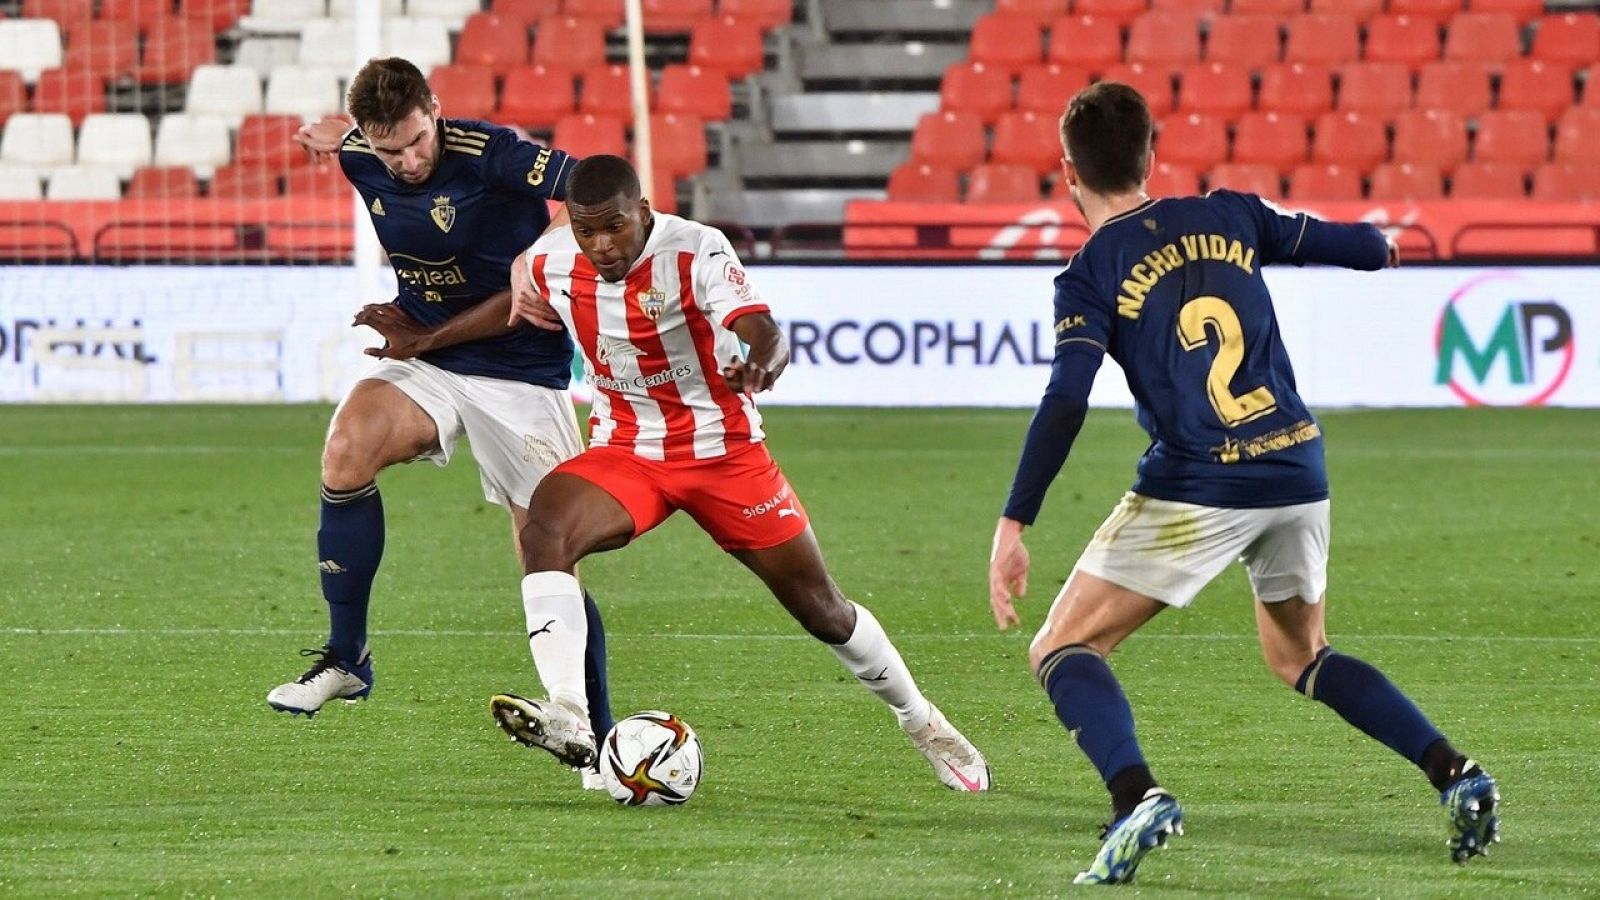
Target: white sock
x=557 y=634
x=877 y=665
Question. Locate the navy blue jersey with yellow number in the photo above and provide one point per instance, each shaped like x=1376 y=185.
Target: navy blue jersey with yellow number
x=452 y=238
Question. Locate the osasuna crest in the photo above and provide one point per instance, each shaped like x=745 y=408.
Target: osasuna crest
x=444 y=215
x=653 y=302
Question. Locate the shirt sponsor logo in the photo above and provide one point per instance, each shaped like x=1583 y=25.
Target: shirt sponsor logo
x=540 y=162
x=640 y=382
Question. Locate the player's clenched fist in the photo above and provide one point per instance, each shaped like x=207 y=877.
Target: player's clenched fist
x=747 y=377
x=322 y=137
x=403 y=337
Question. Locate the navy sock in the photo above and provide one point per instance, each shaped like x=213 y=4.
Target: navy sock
x=595 y=684
x=1090 y=703
x=1362 y=696
x=349 y=547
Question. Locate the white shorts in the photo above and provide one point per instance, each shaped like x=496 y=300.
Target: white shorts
x=1168 y=551
x=518 y=431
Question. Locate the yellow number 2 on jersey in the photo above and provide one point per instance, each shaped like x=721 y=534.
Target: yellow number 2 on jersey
x=1202 y=317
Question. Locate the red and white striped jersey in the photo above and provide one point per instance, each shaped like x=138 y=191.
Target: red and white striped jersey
x=654 y=344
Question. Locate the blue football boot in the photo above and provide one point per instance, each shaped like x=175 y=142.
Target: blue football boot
x=1151 y=823
x=1473 y=803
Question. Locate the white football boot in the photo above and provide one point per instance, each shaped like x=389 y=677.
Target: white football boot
x=958 y=764
x=592 y=779
x=329 y=678
x=548 y=725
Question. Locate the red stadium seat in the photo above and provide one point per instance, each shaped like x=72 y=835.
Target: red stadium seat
x=1000 y=183
x=525 y=11
x=608 y=91
x=950 y=139
x=106 y=48
x=1205 y=10
x=1154 y=84
x=675 y=16
x=221 y=15
x=1461 y=87
x=1008 y=43
x=607 y=14
x=914 y=182
x=537 y=96
x=1249 y=41
x=678 y=144
x=1402 y=39
x=1326 y=39
x=1435 y=137
x=318 y=181
x=1483 y=38
x=1518 y=137
x=1362 y=11
x=664 y=193
x=1383 y=89
x=13 y=95
x=1487 y=181
x=142 y=13
x=172 y=49
x=1270 y=139
x=1578 y=135
x=242 y=182
x=1092 y=43
x=1047 y=88
x=465 y=91
x=1573 y=39
x=1029 y=139
x=1166 y=40
x=569 y=43
x=1042 y=12
x=1172 y=180
x=1437 y=12
x=1535 y=84
x=162 y=181
x=1324 y=182
x=976 y=88
x=1407 y=182
x=581 y=134
x=1277 y=9
x=696 y=91
x=267 y=142
x=1524 y=11
x=64 y=12
x=732 y=45
x=1214 y=88
x=1123 y=12
x=1192 y=140
x=1350 y=138
x=1247 y=178
x=75 y=93
x=1567 y=182
x=1296 y=89
x=768 y=14
x=493 y=41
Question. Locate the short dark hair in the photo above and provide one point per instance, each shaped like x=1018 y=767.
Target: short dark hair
x=386 y=91
x=599 y=178
x=1106 y=130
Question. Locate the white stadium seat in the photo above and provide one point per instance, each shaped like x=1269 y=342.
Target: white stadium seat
x=231 y=92
x=19 y=183
x=454 y=12
x=328 y=44
x=116 y=141
x=426 y=42
x=42 y=140
x=30 y=46
x=84 y=183
x=309 y=93
x=281 y=16
x=263 y=54
x=200 y=142
x=346 y=9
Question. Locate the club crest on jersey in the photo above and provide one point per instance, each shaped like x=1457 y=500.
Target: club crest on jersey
x=653 y=302
x=444 y=215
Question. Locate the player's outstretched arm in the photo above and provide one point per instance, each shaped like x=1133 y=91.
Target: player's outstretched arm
x=768 y=356
x=323 y=137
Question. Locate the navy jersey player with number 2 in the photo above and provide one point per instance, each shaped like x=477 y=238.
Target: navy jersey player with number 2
x=1172 y=290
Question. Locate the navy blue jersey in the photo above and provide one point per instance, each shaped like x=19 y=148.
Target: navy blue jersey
x=452 y=238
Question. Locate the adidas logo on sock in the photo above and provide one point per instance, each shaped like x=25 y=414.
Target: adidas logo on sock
x=331 y=567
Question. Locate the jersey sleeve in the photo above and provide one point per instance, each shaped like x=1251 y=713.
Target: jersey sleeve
x=526 y=168
x=1083 y=316
x=1300 y=237
x=721 y=286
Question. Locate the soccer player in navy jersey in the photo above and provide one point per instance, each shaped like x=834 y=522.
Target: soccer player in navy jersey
x=1172 y=290
x=453 y=202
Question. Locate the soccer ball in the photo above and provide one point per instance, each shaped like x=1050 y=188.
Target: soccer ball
x=651 y=759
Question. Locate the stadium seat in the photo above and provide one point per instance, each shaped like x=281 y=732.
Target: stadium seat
x=119 y=142
x=1047 y=88
x=1407 y=182
x=663 y=194
x=1296 y=89
x=569 y=43
x=950 y=139
x=1573 y=39
x=607 y=14
x=608 y=90
x=1519 y=137
x=282 y=16
x=1402 y=39
x=13 y=94
x=1172 y=180
x=1166 y=40
x=1029 y=139
x=199 y=142
x=1545 y=88
x=1351 y=138
x=19 y=183
x=1591 y=89
x=976 y=88
x=525 y=12
x=1276 y=9
x=492 y=41
x=1578 y=135
x=104 y=47
x=1487 y=181
x=464 y=91
x=1567 y=182
x=232 y=92
x=768 y=14
x=1483 y=38
x=1085 y=42
x=236 y=182
x=1325 y=39
x=537 y=96
x=1008 y=43
x=83 y=183
x=452 y=12
x=1204 y=10
x=173 y=48
x=1435 y=12
x=1153 y=83
x=729 y=44
x=309 y=93
x=318 y=181
x=1324 y=183
x=1001 y=183
x=1122 y=12
x=697 y=91
x=1379 y=88
x=162 y=181
x=1041 y=12
x=142 y=13
x=581 y=134
x=75 y=93
x=1248 y=178
x=1435 y=137
x=1458 y=86
x=29 y=46
x=1524 y=11
x=678 y=144
x=267 y=142
x=1249 y=41
x=1362 y=11
x=1215 y=88
x=425 y=42
x=674 y=16
x=64 y=12
x=919 y=182
x=1192 y=140
x=263 y=53
x=347 y=9
x=220 y=15
x=41 y=140
x=1271 y=139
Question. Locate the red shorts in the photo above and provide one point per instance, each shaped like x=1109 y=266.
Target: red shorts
x=741 y=499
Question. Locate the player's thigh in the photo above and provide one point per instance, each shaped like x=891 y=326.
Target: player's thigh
x=598 y=500
x=519 y=433
x=1166 y=550
x=1288 y=566
x=798 y=578
x=387 y=420
x=1093 y=611
x=741 y=499
x=1293 y=631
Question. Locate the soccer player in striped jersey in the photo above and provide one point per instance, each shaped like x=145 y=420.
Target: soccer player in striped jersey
x=1172 y=290
x=658 y=306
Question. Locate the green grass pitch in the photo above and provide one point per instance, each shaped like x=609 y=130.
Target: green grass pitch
x=157 y=575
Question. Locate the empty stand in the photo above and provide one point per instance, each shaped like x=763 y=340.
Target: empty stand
x=1047 y=88
x=1408 y=40
x=1277 y=9
x=1192 y=140
x=678 y=144
x=75 y=93
x=325 y=181
x=142 y=13
x=467 y=91
x=674 y=16
x=569 y=43
x=950 y=139
x=1534 y=84
x=583 y=134
x=608 y=91
x=1488 y=181
x=607 y=14
x=1008 y=43
x=920 y=182
x=1434 y=12
x=767 y=14
x=1324 y=182
x=1377 y=88
x=199 y=142
x=1085 y=42
x=1029 y=139
x=19 y=183
x=525 y=12
x=306 y=92
x=1523 y=11
x=1253 y=42
x=1565 y=182
x=1215 y=88
x=1249 y=178
x=1164 y=40
x=537 y=96
x=976 y=88
x=118 y=142
x=697 y=91
x=731 y=45
x=1155 y=84
x=1002 y=183
x=29 y=46
x=1457 y=86
x=1326 y=39
x=1350 y=138
x=173 y=48
x=1362 y=11
x=1573 y=39
x=83 y=183
x=1483 y=38
x=1516 y=137
x=1273 y=139
x=1041 y=12
x=232 y=92
x=163 y=181
x=1434 y=137
x=237 y=182
x=1172 y=180
x=1298 y=89
x=267 y=142
x=498 y=43
x=1578 y=135
x=1407 y=182
x=106 y=48
x=41 y=140
x=1123 y=12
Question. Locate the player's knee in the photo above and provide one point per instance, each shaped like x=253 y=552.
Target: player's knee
x=346 y=461
x=546 y=547
x=826 y=615
x=1288 y=664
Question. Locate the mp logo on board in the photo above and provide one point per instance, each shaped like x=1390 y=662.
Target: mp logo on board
x=1501 y=344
